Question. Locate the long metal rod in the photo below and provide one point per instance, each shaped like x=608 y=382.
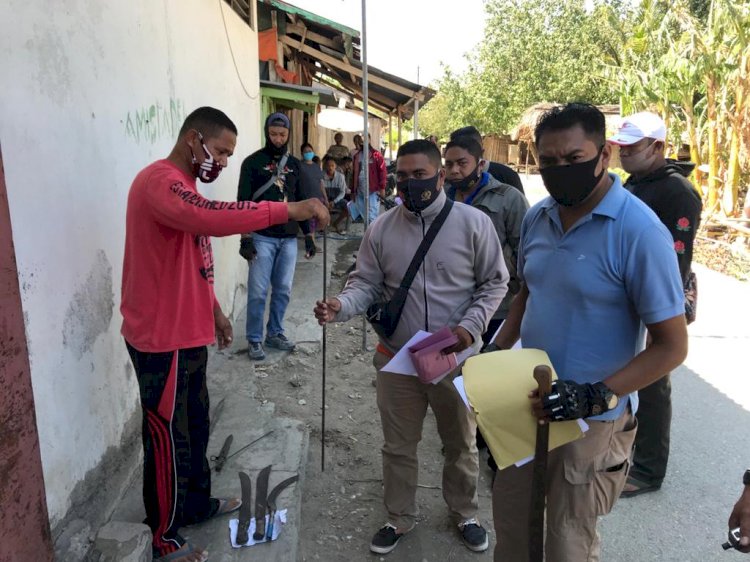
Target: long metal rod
x=323 y=350
x=365 y=140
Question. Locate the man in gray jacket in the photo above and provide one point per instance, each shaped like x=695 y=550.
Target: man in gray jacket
x=460 y=284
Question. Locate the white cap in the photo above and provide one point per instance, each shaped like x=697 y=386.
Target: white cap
x=639 y=126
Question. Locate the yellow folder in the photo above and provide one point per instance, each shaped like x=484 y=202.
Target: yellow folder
x=497 y=385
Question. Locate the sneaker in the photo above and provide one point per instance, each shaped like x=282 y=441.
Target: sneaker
x=385 y=540
x=474 y=535
x=255 y=351
x=280 y=341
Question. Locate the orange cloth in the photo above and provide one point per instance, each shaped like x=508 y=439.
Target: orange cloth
x=267 y=44
x=286 y=75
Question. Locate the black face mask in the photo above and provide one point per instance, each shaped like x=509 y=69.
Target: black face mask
x=571 y=184
x=273 y=149
x=469 y=181
x=418 y=194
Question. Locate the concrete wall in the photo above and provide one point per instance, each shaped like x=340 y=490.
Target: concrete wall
x=92 y=92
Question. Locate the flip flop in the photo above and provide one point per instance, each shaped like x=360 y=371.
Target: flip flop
x=227 y=505
x=182 y=554
x=637 y=488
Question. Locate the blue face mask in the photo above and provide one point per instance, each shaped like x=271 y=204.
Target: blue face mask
x=308 y=156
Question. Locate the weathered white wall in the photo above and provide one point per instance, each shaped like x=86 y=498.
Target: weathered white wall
x=92 y=91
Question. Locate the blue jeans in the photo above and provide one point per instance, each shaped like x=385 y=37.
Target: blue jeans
x=358 y=208
x=274 y=265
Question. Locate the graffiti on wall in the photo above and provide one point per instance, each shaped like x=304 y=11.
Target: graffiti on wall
x=155 y=121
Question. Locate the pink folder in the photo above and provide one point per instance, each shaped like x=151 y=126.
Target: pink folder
x=428 y=357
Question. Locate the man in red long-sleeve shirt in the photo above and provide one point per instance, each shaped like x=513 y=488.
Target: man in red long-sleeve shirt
x=170 y=314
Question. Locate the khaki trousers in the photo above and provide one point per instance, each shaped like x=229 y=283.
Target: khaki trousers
x=584 y=479
x=402 y=401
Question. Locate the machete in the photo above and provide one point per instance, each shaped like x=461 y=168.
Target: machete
x=215 y=415
x=253 y=442
x=246 y=509
x=543 y=376
x=323 y=360
x=221 y=458
x=261 y=493
x=280 y=487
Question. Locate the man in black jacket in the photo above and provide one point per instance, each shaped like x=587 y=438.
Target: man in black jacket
x=501 y=172
x=662 y=184
x=271 y=174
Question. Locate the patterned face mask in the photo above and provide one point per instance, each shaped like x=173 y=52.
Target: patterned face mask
x=208 y=170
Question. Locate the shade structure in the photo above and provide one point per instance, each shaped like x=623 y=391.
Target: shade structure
x=340 y=119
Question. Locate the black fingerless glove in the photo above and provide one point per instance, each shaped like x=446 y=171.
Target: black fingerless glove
x=570 y=400
x=310 y=248
x=247 y=249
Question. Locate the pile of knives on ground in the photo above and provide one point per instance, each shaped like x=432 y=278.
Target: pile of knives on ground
x=265 y=503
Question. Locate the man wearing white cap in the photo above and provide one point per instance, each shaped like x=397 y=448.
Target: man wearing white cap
x=662 y=184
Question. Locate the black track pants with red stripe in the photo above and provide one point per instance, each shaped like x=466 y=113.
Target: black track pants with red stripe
x=176 y=475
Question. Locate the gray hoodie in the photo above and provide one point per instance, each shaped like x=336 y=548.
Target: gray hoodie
x=461 y=282
x=506 y=206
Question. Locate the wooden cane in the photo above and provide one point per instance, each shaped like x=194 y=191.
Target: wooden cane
x=543 y=376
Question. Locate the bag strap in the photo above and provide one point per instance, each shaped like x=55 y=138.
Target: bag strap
x=424 y=246
x=276 y=175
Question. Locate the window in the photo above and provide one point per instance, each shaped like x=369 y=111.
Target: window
x=244 y=9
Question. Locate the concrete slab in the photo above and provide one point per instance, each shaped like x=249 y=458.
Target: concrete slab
x=236 y=383
x=118 y=541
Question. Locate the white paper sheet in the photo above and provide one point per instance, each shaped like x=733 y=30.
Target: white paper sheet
x=279 y=521
x=401 y=362
x=458 y=382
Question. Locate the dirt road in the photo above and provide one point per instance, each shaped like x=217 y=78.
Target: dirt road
x=342 y=507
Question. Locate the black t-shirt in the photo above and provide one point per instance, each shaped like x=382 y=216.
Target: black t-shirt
x=256 y=170
x=505 y=174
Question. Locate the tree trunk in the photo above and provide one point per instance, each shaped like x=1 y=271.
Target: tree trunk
x=731 y=188
x=713 y=143
x=695 y=149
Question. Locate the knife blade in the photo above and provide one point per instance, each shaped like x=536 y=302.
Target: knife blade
x=261 y=494
x=221 y=458
x=280 y=487
x=246 y=509
x=543 y=376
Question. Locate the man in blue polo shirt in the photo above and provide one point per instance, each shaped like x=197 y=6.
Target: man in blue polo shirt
x=597 y=265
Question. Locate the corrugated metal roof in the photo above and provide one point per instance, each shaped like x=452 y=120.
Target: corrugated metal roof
x=309 y=16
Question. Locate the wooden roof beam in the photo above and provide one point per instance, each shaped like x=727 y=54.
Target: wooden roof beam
x=341 y=65
x=378 y=97
x=355 y=95
x=299 y=29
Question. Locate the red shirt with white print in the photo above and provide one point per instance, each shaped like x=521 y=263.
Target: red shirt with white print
x=168 y=270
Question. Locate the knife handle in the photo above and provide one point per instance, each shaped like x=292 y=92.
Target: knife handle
x=260 y=528
x=269 y=528
x=242 y=537
x=543 y=376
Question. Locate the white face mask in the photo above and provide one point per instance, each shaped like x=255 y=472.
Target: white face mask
x=638 y=162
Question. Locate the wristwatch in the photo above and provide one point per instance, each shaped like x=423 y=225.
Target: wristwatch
x=746 y=478
x=605 y=396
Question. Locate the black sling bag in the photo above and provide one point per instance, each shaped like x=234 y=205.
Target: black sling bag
x=385 y=315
